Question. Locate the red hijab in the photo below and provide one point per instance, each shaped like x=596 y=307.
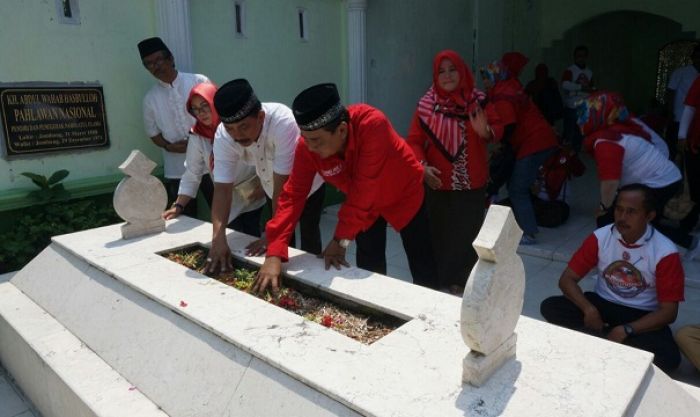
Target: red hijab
x=514 y=62
x=443 y=112
x=206 y=91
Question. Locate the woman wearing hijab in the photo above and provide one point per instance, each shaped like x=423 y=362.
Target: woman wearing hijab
x=526 y=131
x=199 y=162
x=625 y=154
x=448 y=134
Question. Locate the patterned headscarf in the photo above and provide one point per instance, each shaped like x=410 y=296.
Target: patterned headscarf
x=509 y=66
x=603 y=115
x=494 y=72
x=444 y=113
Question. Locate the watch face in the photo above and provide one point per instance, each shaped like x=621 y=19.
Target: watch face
x=344 y=243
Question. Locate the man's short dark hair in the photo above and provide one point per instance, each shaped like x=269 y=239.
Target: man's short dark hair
x=583 y=48
x=344 y=116
x=648 y=193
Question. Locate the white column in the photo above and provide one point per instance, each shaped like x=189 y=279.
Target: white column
x=173 y=17
x=357 y=82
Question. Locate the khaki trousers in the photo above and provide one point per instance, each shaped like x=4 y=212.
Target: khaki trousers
x=688 y=340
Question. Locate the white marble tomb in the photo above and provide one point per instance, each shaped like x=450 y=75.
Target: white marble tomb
x=95 y=319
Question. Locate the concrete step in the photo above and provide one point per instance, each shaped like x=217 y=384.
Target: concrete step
x=56 y=371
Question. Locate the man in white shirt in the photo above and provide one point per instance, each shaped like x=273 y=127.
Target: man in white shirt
x=576 y=83
x=639 y=284
x=265 y=136
x=165 y=116
x=676 y=91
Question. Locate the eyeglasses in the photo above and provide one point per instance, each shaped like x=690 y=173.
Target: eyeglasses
x=155 y=63
x=204 y=108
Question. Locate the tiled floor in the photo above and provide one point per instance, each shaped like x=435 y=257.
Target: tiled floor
x=12 y=402
x=543 y=262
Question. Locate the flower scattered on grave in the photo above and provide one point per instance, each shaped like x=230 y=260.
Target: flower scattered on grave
x=355 y=325
x=183 y=303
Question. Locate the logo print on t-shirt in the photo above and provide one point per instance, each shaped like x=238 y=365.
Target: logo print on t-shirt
x=626 y=255
x=583 y=79
x=624 y=279
x=333 y=171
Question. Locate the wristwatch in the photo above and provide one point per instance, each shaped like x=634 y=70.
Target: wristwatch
x=344 y=243
x=629 y=331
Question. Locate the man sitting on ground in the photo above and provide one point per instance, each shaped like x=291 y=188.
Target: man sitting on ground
x=639 y=284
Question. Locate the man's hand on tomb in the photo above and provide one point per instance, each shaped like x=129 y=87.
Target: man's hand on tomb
x=170 y=213
x=219 y=258
x=334 y=255
x=256 y=248
x=268 y=276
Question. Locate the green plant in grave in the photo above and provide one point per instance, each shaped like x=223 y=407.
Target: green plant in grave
x=50 y=189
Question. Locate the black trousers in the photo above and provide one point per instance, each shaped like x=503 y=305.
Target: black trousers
x=172 y=186
x=248 y=222
x=679 y=235
x=309 y=222
x=561 y=311
x=692 y=173
x=455 y=221
x=572 y=134
x=415 y=236
x=671 y=138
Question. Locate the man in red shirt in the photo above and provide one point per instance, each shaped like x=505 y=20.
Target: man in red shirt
x=639 y=284
x=357 y=150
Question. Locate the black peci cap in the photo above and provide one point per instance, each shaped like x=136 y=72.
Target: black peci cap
x=151 y=45
x=235 y=100
x=317 y=106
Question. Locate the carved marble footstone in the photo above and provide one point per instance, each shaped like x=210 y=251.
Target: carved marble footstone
x=493 y=297
x=140 y=198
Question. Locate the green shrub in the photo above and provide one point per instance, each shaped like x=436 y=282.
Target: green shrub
x=34 y=227
x=55 y=215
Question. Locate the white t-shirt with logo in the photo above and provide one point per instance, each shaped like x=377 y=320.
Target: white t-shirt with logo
x=638 y=275
x=642 y=162
x=681 y=80
x=573 y=80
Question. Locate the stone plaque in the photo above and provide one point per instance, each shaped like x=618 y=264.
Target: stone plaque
x=39 y=119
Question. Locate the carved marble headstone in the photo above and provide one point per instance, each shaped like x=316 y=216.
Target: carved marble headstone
x=140 y=198
x=493 y=297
